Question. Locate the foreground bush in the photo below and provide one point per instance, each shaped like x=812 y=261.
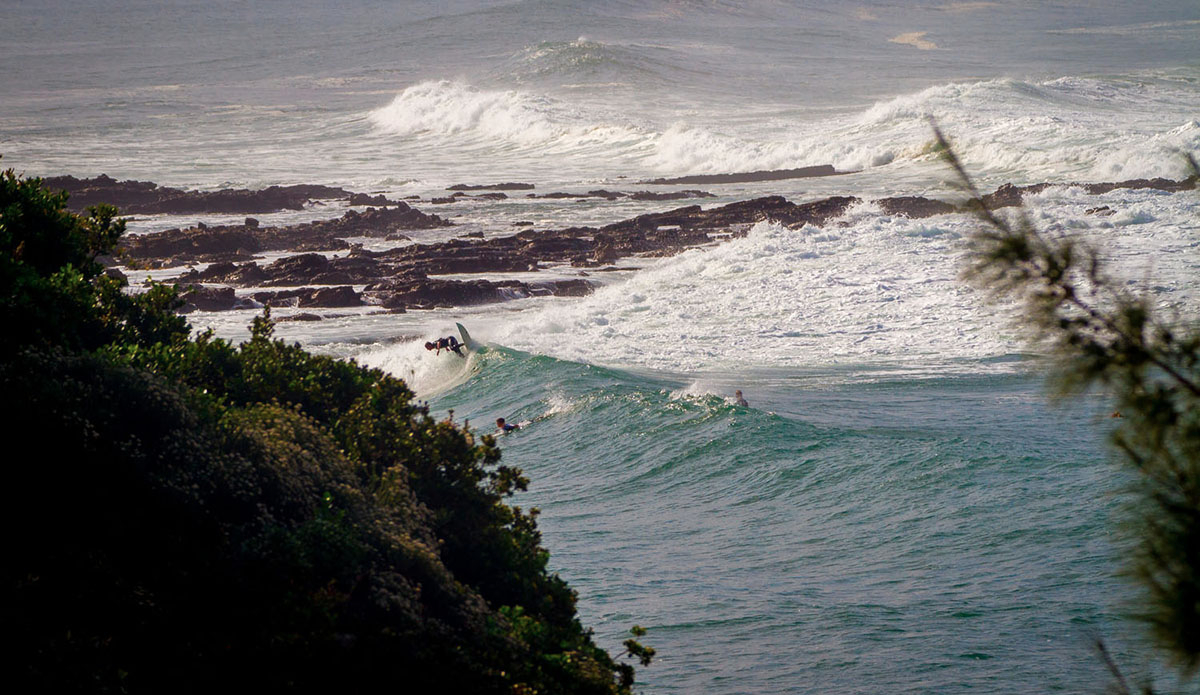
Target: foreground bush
x=189 y=514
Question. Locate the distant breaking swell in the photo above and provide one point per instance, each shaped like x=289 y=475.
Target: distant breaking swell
x=1085 y=127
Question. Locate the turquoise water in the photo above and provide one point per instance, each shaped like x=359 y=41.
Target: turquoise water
x=845 y=533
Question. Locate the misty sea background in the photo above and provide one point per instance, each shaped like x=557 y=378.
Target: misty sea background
x=899 y=509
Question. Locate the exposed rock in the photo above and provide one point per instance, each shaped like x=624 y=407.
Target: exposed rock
x=753 y=176
x=362 y=199
x=618 y=195
x=429 y=293
x=200 y=298
x=492 y=187
x=915 y=206
x=415 y=276
x=246 y=275
x=401 y=277
x=1009 y=195
x=198 y=244
x=674 y=195
x=333 y=297
x=693 y=219
x=572 y=288
x=309 y=297
x=144 y=197
x=1188 y=184
x=234 y=242
x=112 y=271
x=315 y=269
x=559 y=195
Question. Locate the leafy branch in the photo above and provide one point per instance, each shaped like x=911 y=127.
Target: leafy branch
x=1100 y=334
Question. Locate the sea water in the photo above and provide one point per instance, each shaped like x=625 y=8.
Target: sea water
x=899 y=509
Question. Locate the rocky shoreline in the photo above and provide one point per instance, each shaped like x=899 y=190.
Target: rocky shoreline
x=327 y=270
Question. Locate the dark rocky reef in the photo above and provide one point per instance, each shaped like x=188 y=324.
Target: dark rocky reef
x=414 y=276
x=915 y=206
x=1009 y=195
x=753 y=176
x=492 y=187
x=144 y=197
x=418 y=292
x=400 y=278
x=636 y=195
x=206 y=244
x=364 y=200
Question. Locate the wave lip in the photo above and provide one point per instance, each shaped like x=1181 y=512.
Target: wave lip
x=1087 y=128
x=453 y=108
x=457 y=110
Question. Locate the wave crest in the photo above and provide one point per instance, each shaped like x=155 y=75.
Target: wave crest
x=453 y=108
x=1072 y=127
x=579 y=59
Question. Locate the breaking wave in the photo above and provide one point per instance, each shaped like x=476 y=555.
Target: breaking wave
x=1085 y=128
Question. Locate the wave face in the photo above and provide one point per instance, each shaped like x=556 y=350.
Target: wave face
x=589 y=64
x=506 y=118
x=839 y=535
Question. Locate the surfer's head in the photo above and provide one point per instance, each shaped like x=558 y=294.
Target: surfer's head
x=429 y=345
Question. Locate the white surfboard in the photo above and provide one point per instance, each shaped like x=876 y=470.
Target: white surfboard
x=466 y=338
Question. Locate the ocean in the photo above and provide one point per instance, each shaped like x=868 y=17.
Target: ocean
x=900 y=508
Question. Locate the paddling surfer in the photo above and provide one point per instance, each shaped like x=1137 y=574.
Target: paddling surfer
x=504 y=427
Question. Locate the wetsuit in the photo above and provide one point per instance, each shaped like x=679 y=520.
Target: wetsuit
x=449 y=343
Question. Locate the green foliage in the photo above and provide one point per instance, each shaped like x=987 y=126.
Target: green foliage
x=636 y=649
x=198 y=511
x=1102 y=335
x=52 y=290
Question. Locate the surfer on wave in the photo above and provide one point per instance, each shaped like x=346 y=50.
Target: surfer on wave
x=447 y=343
